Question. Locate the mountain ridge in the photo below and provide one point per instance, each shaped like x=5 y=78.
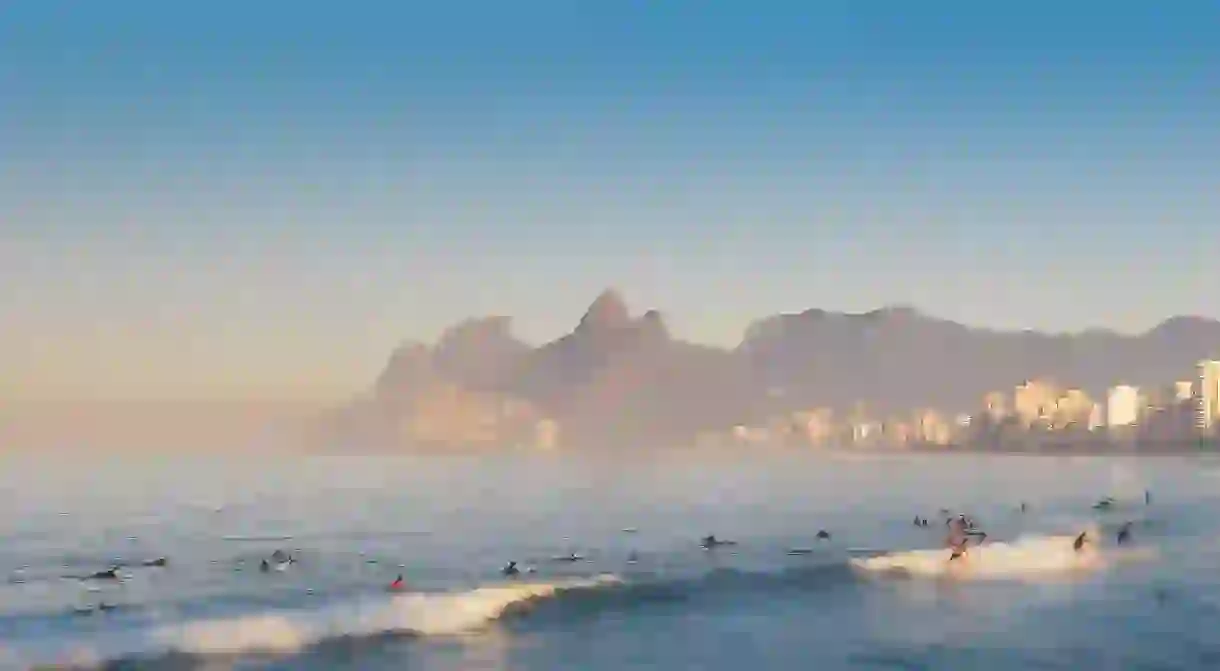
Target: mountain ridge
x=618 y=378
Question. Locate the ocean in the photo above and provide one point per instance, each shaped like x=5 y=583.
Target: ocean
x=878 y=594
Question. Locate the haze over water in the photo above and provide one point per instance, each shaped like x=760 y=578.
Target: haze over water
x=448 y=525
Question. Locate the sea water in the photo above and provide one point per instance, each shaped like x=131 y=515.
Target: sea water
x=879 y=594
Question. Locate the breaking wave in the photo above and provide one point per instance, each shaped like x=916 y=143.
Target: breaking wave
x=290 y=631
x=1024 y=558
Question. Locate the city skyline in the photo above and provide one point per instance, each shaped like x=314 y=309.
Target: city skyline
x=213 y=202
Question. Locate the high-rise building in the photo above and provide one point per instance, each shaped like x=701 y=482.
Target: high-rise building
x=1072 y=409
x=1208 y=410
x=1097 y=417
x=1034 y=401
x=1183 y=390
x=1122 y=406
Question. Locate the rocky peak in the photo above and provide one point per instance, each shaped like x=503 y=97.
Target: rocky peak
x=652 y=326
x=477 y=332
x=608 y=312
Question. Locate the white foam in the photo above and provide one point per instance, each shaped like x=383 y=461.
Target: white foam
x=419 y=613
x=1023 y=558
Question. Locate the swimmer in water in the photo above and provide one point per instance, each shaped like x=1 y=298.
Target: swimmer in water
x=510 y=569
x=108 y=574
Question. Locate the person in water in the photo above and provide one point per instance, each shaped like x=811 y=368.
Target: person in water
x=108 y=574
x=510 y=569
x=1078 y=544
x=823 y=535
x=1124 y=533
x=264 y=566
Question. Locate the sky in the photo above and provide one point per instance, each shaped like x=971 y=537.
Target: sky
x=223 y=199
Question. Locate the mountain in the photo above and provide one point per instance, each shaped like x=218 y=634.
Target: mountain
x=624 y=380
x=899 y=358
x=616 y=378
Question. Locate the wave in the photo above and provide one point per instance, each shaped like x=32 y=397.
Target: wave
x=1024 y=558
x=421 y=614
x=286 y=632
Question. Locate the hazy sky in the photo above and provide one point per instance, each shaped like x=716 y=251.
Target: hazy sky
x=261 y=198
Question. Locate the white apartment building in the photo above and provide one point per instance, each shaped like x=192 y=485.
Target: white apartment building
x=1122 y=406
x=1208 y=409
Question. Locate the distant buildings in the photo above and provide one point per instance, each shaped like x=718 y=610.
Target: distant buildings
x=1038 y=415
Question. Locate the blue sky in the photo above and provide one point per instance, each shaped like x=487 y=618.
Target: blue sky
x=264 y=198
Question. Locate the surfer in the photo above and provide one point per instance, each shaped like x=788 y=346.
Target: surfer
x=1024 y=506
x=108 y=574
x=1104 y=504
x=398 y=584
x=1078 y=544
x=510 y=569
x=964 y=528
x=1147 y=497
x=1124 y=533
x=160 y=561
x=960 y=533
x=823 y=535
x=957 y=550
x=264 y=566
